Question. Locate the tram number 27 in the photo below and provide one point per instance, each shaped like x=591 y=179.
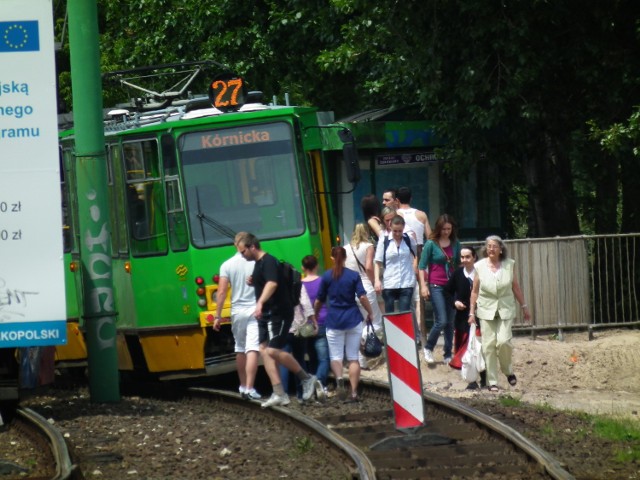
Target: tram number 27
x=227 y=93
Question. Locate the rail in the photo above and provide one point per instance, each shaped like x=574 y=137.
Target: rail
x=64 y=467
x=364 y=467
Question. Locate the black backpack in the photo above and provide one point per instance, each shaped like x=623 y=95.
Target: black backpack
x=291 y=281
x=387 y=240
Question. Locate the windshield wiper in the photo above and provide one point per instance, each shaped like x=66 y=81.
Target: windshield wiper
x=217 y=226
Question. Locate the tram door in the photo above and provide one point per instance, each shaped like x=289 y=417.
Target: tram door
x=142 y=279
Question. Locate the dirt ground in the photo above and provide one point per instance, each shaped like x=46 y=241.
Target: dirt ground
x=143 y=438
x=599 y=376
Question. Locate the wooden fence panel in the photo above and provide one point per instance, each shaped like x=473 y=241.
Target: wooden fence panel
x=578 y=282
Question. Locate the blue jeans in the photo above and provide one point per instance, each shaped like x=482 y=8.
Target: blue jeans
x=403 y=295
x=322 y=353
x=318 y=358
x=444 y=314
x=297 y=346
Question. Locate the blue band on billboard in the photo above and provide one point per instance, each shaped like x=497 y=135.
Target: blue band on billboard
x=33 y=334
x=19 y=36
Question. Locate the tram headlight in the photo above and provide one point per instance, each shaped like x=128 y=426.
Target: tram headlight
x=202 y=302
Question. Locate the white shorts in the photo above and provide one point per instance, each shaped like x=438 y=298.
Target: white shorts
x=344 y=343
x=244 y=327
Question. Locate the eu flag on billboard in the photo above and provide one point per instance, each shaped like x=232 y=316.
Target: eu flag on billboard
x=19 y=36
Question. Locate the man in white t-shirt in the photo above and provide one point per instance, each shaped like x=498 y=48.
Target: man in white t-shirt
x=244 y=326
x=418 y=221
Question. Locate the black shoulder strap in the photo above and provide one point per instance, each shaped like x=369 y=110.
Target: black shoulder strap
x=384 y=251
x=360 y=266
x=407 y=240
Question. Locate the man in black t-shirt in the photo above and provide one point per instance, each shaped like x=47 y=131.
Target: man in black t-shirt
x=274 y=313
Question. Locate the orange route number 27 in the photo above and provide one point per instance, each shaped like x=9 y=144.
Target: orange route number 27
x=227 y=92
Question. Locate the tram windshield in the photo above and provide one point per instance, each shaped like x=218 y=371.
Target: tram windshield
x=241 y=179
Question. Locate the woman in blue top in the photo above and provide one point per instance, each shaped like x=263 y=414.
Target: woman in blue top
x=341 y=287
x=440 y=257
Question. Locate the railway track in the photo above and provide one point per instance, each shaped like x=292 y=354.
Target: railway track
x=455 y=442
x=51 y=459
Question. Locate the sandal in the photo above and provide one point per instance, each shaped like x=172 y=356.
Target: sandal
x=352 y=399
x=512 y=380
x=494 y=388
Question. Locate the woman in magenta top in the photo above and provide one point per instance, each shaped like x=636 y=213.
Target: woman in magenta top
x=440 y=257
x=311 y=283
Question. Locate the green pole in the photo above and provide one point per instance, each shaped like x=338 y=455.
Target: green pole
x=93 y=205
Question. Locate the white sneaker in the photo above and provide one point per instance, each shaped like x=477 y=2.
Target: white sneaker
x=251 y=394
x=308 y=387
x=447 y=360
x=428 y=356
x=276 y=400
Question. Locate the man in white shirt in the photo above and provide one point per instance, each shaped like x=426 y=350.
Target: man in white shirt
x=244 y=326
x=418 y=221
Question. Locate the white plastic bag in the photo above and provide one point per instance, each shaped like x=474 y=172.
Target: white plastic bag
x=472 y=360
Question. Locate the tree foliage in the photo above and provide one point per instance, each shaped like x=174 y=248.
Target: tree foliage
x=516 y=81
x=544 y=90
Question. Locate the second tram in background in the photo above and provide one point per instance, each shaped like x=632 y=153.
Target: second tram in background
x=182 y=180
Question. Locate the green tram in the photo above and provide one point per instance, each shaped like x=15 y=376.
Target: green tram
x=182 y=181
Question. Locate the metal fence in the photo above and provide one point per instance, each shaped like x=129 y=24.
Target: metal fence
x=578 y=282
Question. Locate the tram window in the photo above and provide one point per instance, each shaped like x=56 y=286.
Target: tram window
x=309 y=192
x=145 y=198
x=241 y=178
x=174 y=202
x=119 y=241
x=178 y=234
x=169 y=160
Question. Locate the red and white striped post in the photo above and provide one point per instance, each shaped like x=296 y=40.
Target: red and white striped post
x=403 y=365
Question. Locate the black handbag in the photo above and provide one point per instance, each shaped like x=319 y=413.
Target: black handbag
x=372 y=344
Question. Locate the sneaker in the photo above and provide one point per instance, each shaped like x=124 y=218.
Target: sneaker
x=428 y=356
x=308 y=387
x=447 y=360
x=276 y=400
x=321 y=392
x=251 y=395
